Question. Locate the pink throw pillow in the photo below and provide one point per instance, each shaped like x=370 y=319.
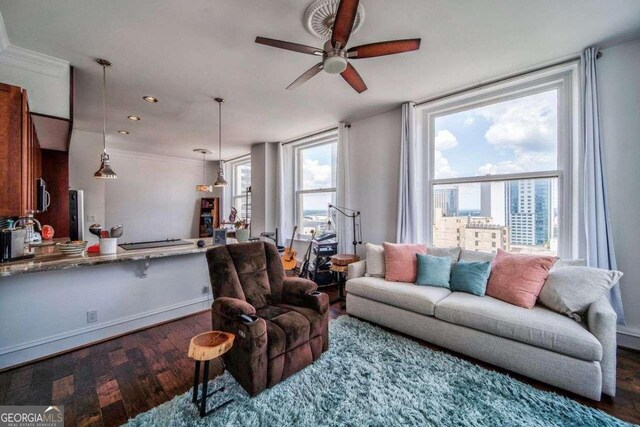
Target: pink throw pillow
x=400 y=261
x=518 y=278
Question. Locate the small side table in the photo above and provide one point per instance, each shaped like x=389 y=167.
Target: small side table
x=204 y=348
x=340 y=266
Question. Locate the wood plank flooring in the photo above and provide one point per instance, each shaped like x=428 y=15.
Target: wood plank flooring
x=107 y=383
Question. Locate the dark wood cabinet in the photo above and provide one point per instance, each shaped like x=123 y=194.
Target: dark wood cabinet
x=20 y=155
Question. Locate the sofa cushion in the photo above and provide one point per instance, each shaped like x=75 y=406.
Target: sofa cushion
x=419 y=299
x=286 y=328
x=453 y=253
x=538 y=326
x=518 y=278
x=470 y=277
x=375 y=260
x=433 y=270
x=400 y=261
x=476 y=256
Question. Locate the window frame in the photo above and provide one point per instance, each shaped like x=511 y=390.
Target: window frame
x=331 y=137
x=235 y=177
x=564 y=79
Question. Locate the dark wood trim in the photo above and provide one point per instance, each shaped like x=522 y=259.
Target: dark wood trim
x=71 y=98
x=48 y=116
x=83 y=346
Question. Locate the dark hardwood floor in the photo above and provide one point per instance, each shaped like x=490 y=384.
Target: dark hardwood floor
x=110 y=382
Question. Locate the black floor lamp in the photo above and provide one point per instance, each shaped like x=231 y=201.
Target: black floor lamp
x=355 y=221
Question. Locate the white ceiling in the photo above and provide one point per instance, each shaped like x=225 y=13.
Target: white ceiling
x=186 y=52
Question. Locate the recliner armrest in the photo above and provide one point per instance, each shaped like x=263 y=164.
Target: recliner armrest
x=230 y=308
x=304 y=293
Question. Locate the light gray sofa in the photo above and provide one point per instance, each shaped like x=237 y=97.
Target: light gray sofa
x=538 y=343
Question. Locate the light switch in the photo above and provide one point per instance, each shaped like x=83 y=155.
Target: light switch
x=91 y=218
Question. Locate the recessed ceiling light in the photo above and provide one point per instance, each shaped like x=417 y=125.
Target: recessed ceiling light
x=150 y=99
x=134 y=118
x=124 y=132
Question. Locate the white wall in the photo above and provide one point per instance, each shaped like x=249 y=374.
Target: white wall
x=154 y=196
x=84 y=160
x=619 y=90
x=263 y=187
x=374 y=155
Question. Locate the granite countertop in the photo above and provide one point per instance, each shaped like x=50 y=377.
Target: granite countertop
x=48 y=258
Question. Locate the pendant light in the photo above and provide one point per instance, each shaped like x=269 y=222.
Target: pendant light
x=105 y=171
x=204 y=188
x=220 y=181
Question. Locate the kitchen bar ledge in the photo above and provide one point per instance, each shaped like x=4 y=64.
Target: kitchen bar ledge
x=56 y=261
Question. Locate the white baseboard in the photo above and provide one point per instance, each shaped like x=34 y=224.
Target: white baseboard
x=629 y=337
x=25 y=352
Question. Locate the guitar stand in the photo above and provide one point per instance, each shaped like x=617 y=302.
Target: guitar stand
x=202 y=401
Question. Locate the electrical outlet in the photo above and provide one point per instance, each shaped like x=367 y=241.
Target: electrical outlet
x=205 y=290
x=92 y=316
x=91 y=218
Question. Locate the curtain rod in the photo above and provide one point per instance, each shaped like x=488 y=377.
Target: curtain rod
x=236 y=158
x=310 y=135
x=502 y=79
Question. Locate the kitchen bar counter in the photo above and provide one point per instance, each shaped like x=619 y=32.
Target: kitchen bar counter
x=49 y=259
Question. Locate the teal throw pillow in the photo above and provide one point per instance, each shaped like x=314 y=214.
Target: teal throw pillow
x=470 y=277
x=433 y=270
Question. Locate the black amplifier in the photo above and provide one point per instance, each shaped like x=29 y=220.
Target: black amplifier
x=325 y=249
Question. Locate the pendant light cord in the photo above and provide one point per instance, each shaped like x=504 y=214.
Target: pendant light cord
x=104 y=108
x=220 y=136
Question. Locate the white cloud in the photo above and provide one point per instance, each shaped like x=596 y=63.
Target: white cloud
x=316 y=175
x=445 y=140
x=524 y=162
x=523 y=125
x=469 y=121
x=442 y=167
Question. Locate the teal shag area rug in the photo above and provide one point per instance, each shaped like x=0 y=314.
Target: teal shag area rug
x=372 y=377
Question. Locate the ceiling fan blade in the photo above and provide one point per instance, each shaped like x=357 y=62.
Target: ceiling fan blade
x=290 y=46
x=342 y=26
x=383 y=48
x=306 y=76
x=353 y=78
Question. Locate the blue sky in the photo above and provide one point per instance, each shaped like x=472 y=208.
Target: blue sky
x=518 y=135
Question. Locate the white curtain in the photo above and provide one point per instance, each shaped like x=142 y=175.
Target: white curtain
x=285 y=216
x=597 y=227
x=408 y=228
x=344 y=226
x=226 y=192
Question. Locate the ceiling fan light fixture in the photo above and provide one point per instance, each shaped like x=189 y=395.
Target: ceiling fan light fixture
x=335 y=64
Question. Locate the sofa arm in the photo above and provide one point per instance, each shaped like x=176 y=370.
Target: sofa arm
x=230 y=308
x=356 y=269
x=602 y=323
x=303 y=293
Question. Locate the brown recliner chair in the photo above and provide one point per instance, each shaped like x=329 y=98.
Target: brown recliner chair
x=280 y=323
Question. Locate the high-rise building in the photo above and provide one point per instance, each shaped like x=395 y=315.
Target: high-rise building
x=493 y=201
x=447 y=200
x=530 y=212
x=472 y=233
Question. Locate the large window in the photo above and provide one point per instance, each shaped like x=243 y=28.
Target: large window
x=500 y=162
x=241 y=188
x=315 y=185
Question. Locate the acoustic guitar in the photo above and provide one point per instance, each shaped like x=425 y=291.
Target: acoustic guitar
x=289 y=261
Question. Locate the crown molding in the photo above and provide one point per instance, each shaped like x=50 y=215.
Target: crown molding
x=28 y=59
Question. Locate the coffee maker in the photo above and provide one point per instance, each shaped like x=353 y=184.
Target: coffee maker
x=12 y=244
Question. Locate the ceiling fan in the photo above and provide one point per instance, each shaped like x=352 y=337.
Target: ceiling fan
x=336 y=56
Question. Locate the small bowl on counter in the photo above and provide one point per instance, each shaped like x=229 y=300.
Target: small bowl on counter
x=72 y=248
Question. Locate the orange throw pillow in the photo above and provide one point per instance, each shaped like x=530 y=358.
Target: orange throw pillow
x=400 y=261
x=518 y=278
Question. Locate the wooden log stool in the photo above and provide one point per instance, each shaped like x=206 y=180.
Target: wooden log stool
x=204 y=348
x=340 y=266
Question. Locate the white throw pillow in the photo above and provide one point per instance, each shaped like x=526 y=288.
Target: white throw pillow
x=375 y=260
x=453 y=253
x=571 y=290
